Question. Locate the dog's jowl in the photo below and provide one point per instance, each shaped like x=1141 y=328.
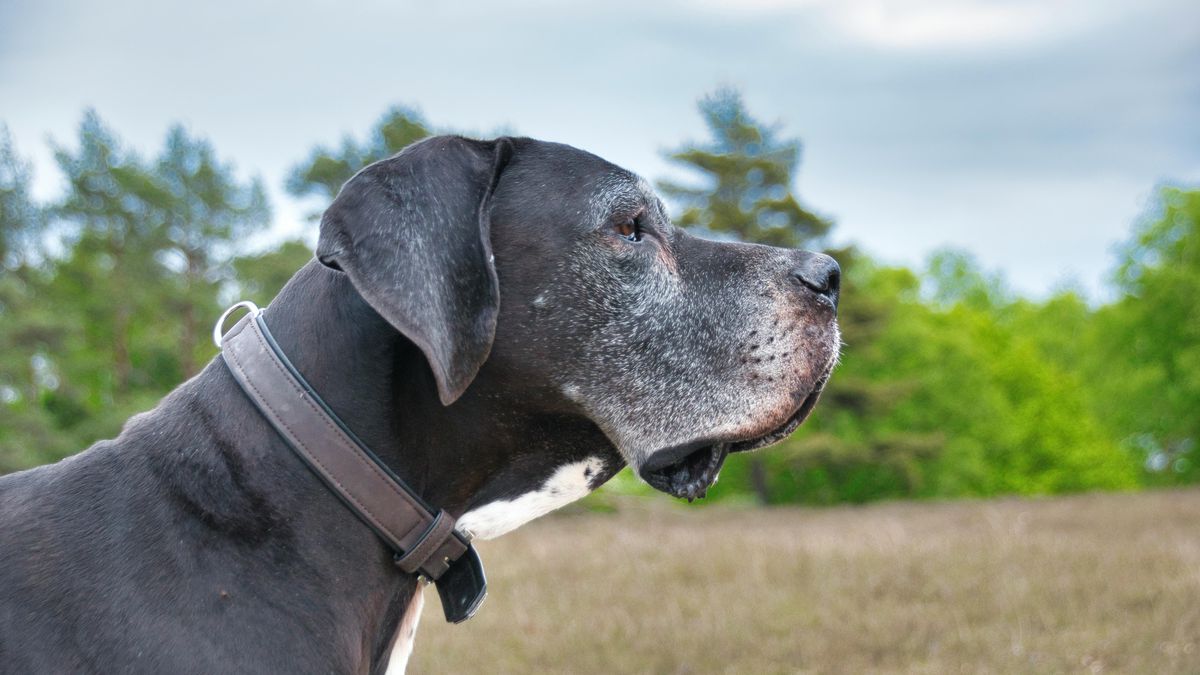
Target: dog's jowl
x=505 y=324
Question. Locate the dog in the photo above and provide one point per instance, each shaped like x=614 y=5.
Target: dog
x=505 y=323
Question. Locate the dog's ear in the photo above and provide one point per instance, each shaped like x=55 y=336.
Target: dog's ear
x=412 y=233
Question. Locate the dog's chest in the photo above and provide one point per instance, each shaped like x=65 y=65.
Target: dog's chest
x=568 y=483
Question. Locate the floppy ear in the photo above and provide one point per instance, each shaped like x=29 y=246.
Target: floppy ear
x=412 y=233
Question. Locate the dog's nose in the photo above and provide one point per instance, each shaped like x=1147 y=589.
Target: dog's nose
x=821 y=274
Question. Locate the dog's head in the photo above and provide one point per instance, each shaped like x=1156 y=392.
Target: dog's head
x=560 y=270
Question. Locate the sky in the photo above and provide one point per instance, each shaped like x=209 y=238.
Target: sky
x=1030 y=133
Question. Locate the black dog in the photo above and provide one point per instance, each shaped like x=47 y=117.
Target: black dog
x=505 y=323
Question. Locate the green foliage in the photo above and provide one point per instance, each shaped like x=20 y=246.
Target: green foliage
x=1146 y=346
x=207 y=212
x=117 y=315
x=21 y=220
x=953 y=277
x=27 y=326
x=749 y=171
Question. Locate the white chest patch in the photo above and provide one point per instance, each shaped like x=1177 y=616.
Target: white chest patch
x=403 y=646
x=568 y=483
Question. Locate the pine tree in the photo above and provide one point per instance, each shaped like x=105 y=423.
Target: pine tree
x=112 y=219
x=110 y=315
x=750 y=173
x=29 y=327
x=208 y=212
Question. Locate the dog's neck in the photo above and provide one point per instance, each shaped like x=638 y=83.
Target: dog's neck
x=459 y=457
x=372 y=378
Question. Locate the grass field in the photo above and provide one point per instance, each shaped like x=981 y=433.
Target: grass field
x=1096 y=583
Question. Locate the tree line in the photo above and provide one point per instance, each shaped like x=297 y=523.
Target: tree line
x=950 y=385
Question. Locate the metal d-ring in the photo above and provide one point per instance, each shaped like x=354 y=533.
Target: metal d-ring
x=217 y=332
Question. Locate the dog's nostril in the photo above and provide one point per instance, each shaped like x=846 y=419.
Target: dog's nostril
x=820 y=273
x=834 y=282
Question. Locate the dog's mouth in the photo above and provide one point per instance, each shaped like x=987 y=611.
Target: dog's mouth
x=690 y=477
x=688 y=471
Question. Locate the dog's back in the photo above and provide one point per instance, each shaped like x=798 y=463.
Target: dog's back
x=55 y=539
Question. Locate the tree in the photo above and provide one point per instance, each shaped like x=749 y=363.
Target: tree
x=21 y=220
x=1146 y=360
x=207 y=212
x=20 y=227
x=750 y=173
x=113 y=318
x=28 y=327
x=326 y=170
x=114 y=213
x=954 y=277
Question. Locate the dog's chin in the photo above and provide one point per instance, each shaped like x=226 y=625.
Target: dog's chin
x=784 y=430
x=689 y=471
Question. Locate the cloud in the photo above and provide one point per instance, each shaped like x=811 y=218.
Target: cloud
x=945 y=24
x=938 y=24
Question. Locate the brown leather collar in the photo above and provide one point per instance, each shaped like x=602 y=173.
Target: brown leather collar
x=423 y=538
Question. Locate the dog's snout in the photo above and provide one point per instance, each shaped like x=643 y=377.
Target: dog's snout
x=821 y=274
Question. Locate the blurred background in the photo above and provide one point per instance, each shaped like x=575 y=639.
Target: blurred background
x=1012 y=188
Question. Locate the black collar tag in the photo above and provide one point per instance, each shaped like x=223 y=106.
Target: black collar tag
x=462 y=587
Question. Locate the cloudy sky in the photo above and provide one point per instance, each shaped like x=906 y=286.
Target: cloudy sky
x=1031 y=132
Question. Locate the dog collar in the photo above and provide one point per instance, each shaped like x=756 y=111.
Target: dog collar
x=423 y=539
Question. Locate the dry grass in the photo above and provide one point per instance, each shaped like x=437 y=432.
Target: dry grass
x=1098 y=583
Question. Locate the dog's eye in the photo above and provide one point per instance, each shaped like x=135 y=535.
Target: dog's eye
x=629 y=230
